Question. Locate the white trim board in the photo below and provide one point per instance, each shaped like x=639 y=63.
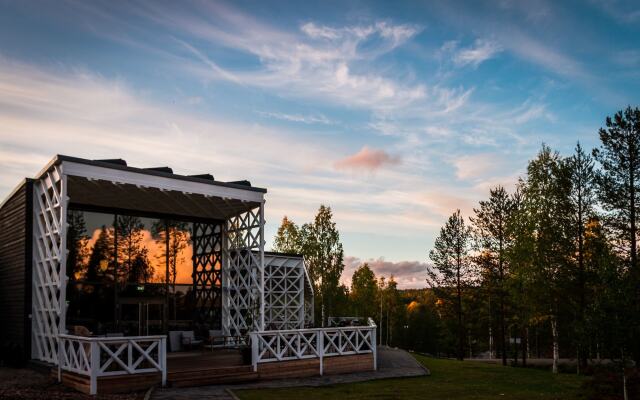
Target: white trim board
x=160 y=182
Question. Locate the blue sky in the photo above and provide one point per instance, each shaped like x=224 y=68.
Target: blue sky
x=393 y=113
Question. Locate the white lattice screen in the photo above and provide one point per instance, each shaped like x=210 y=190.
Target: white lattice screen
x=284 y=287
x=49 y=260
x=243 y=273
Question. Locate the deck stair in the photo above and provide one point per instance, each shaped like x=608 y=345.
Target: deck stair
x=219 y=367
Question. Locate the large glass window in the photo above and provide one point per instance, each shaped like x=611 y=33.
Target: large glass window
x=90 y=267
x=129 y=274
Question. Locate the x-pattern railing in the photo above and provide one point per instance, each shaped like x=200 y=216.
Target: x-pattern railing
x=108 y=356
x=299 y=344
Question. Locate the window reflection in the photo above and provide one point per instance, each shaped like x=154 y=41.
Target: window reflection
x=134 y=275
x=140 y=253
x=90 y=267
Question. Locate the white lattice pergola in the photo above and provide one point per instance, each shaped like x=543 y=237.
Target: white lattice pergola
x=49 y=254
x=240 y=247
x=287 y=292
x=243 y=273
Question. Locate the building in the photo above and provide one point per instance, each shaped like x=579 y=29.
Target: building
x=108 y=270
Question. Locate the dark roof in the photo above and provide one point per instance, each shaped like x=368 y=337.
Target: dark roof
x=120 y=164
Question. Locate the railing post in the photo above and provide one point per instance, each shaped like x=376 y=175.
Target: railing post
x=374 y=348
x=320 y=341
x=163 y=359
x=254 y=351
x=95 y=366
x=129 y=356
x=60 y=349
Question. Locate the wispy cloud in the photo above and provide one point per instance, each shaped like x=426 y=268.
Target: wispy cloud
x=73 y=111
x=367 y=159
x=481 y=51
x=305 y=119
x=476 y=165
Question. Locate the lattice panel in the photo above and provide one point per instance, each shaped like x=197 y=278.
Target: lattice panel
x=207 y=273
x=284 y=297
x=49 y=260
x=243 y=273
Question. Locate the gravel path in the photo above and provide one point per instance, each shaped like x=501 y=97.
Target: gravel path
x=392 y=363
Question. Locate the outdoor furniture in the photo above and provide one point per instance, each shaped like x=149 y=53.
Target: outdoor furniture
x=217 y=340
x=80 y=330
x=188 y=339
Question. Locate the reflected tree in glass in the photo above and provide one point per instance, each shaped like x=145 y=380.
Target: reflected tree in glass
x=133 y=256
x=172 y=248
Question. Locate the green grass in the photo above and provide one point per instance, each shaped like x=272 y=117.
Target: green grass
x=449 y=380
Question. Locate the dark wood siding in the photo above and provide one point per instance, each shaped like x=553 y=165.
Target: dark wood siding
x=15 y=274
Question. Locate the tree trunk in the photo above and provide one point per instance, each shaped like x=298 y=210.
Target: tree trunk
x=556 y=350
x=524 y=344
x=503 y=333
x=633 y=232
x=581 y=360
x=460 y=327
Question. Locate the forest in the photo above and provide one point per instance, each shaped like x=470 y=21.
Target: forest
x=546 y=270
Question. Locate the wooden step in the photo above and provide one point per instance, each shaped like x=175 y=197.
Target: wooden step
x=209 y=372
x=211 y=379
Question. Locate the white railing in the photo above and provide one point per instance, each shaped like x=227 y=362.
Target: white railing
x=108 y=356
x=300 y=344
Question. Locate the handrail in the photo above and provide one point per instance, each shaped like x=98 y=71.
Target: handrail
x=370 y=324
x=108 y=356
x=300 y=344
x=110 y=338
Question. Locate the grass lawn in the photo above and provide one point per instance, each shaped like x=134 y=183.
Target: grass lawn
x=449 y=380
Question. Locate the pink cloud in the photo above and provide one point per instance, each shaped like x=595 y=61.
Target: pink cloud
x=367 y=159
x=408 y=274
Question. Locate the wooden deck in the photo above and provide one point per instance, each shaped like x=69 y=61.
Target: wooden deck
x=196 y=368
x=221 y=366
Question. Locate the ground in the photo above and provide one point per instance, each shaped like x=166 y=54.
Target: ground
x=449 y=380
x=29 y=384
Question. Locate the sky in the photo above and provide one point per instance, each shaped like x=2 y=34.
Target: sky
x=395 y=114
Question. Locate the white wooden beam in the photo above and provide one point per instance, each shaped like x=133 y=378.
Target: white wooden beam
x=161 y=182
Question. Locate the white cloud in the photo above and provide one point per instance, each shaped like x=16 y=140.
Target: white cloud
x=481 y=51
x=69 y=111
x=305 y=119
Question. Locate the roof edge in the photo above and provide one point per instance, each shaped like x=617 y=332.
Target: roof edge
x=15 y=190
x=58 y=159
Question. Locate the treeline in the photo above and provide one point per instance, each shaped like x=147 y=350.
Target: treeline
x=555 y=261
x=547 y=270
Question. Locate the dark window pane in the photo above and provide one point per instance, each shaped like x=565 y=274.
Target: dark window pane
x=90 y=268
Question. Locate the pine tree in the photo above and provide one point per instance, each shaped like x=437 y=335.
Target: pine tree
x=618 y=189
x=583 y=204
x=452 y=272
x=490 y=223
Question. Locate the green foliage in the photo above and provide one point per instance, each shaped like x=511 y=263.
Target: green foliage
x=492 y=237
x=619 y=176
x=324 y=257
x=287 y=238
x=452 y=270
x=364 y=291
